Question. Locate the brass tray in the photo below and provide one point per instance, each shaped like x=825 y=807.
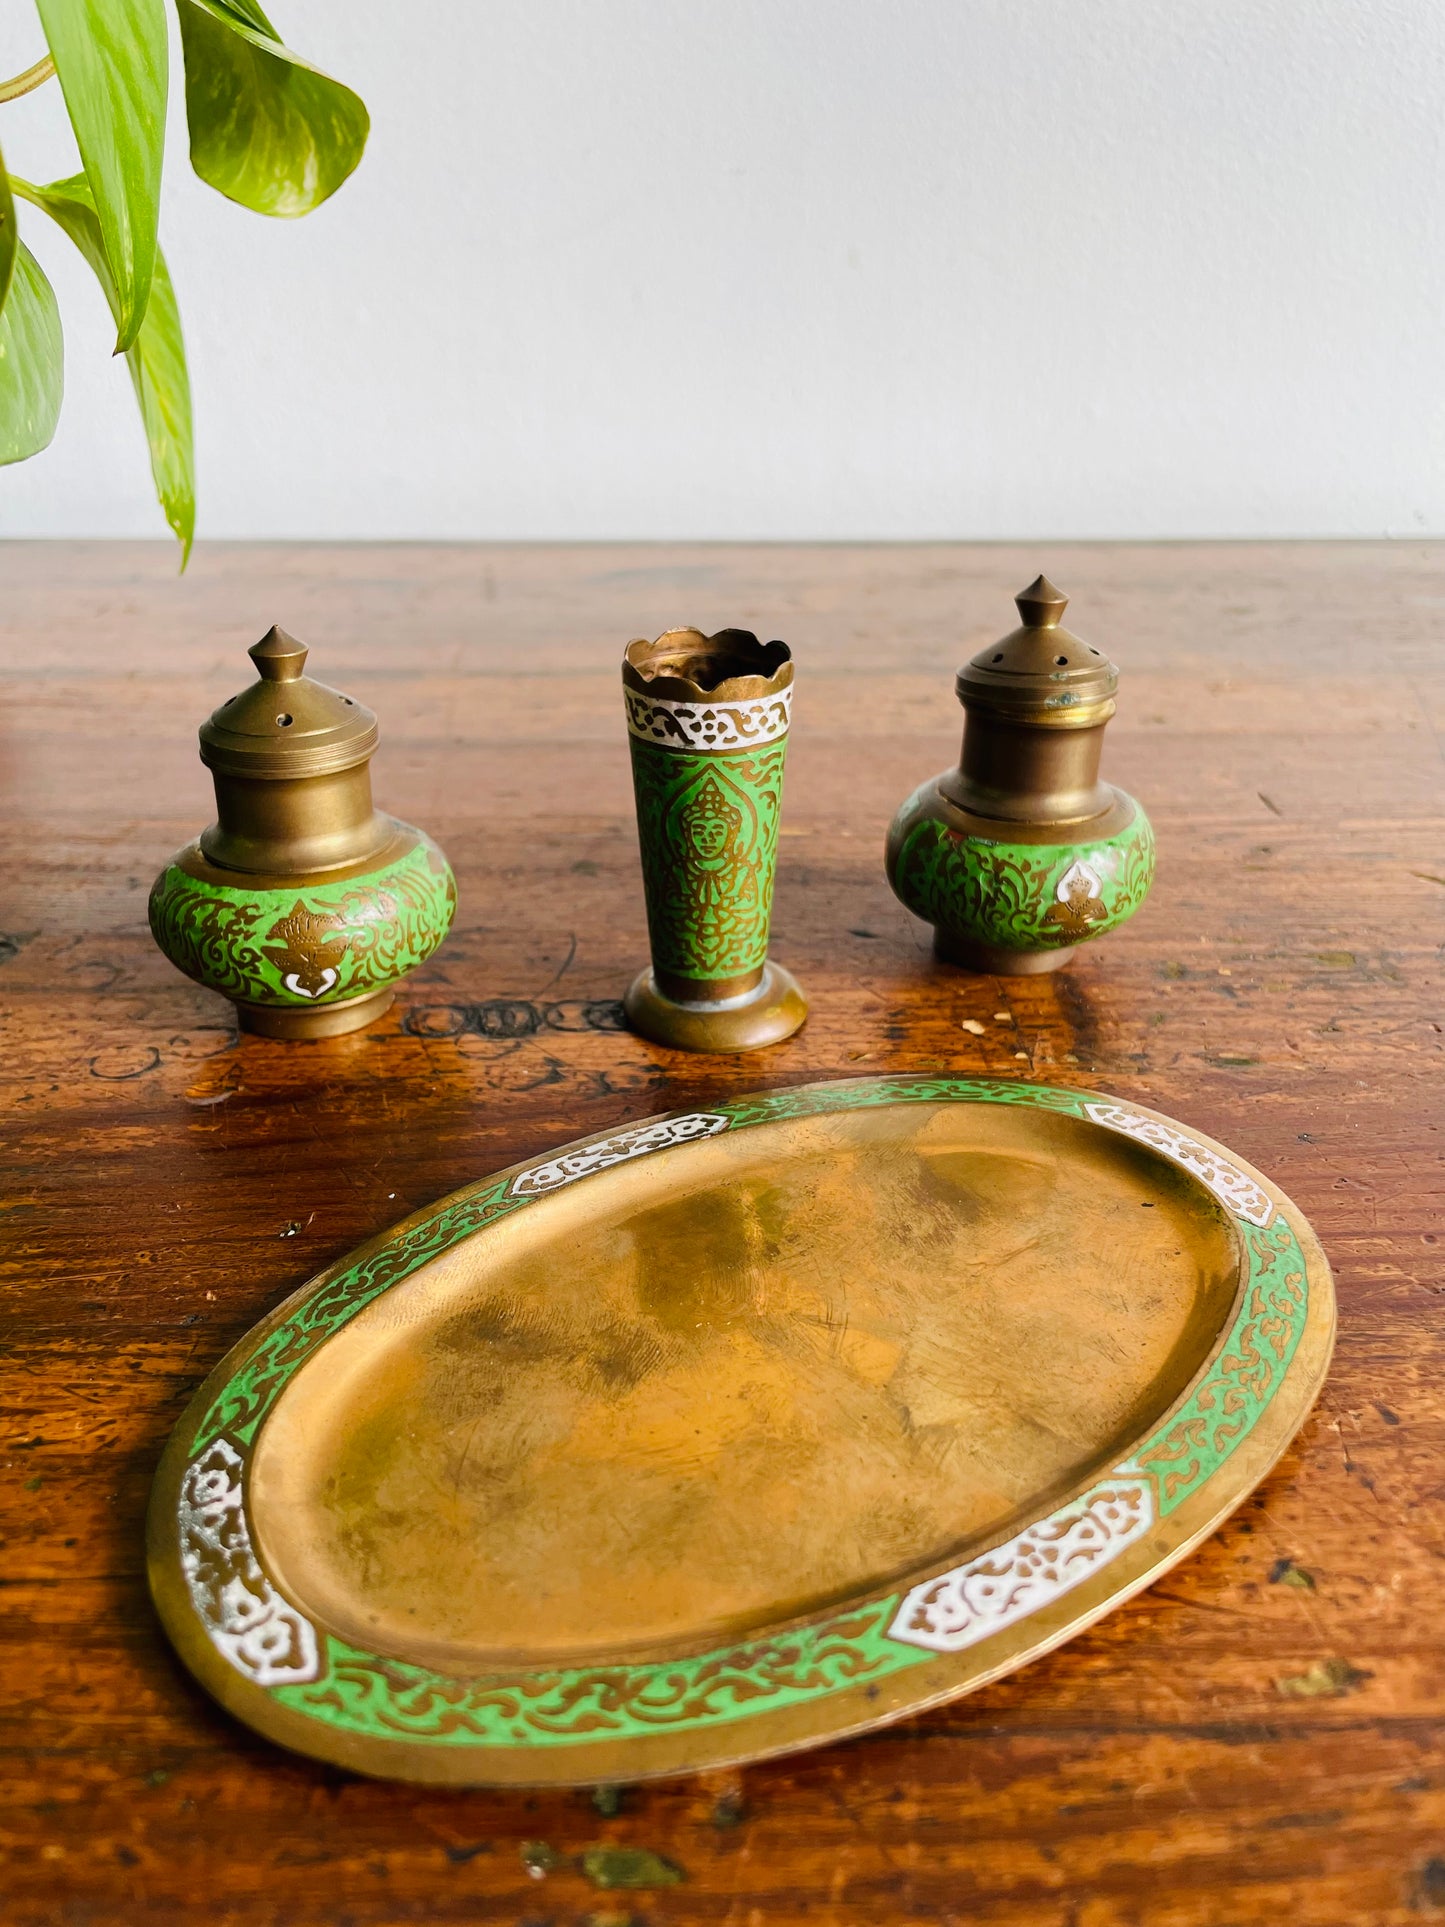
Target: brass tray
x=735 y=1431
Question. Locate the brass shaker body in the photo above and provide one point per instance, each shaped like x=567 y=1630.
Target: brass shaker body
x=302 y=902
x=1023 y=852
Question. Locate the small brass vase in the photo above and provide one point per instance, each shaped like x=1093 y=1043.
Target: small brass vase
x=1021 y=853
x=301 y=903
x=707 y=717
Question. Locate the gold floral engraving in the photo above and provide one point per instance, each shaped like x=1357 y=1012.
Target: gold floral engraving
x=1079 y=903
x=307 y=948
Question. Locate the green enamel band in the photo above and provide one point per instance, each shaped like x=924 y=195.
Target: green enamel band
x=311 y=944
x=707 y=824
x=1022 y=896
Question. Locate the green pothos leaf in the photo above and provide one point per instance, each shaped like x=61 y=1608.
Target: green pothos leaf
x=267 y=129
x=9 y=234
x=249 y=15
x=32 y=360
x=162 y=386
x=112 y=57
x=157 y=357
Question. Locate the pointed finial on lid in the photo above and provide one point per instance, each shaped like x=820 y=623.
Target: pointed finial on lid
x=279 y=657
x=1041 y=605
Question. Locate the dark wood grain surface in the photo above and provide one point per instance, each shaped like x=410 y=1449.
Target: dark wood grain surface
x=1259 y=1738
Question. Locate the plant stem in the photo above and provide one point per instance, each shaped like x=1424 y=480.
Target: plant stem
x=27 y=82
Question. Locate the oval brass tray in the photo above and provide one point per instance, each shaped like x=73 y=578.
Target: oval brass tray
x=735 y=1431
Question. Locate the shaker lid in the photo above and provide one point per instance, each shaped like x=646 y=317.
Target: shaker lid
x=286 y=724
x=1040 y=672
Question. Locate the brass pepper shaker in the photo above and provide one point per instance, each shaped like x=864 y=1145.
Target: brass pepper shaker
x=301 y=903
x=1022 y=853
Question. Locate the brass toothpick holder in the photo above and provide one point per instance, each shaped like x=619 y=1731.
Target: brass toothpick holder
x=301 y=903
x=1022 y=853
x=707 y=718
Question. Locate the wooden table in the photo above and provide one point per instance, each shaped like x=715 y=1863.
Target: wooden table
x=166 y=1181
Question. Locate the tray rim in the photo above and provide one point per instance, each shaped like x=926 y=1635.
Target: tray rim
x=820 y=1680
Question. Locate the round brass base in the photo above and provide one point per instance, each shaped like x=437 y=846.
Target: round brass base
x=763 y=1016
x=328 y=1020
x=992 y=961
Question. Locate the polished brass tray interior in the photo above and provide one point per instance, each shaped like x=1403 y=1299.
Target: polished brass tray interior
x=735 y=1431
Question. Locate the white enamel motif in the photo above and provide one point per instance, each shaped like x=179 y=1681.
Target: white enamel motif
x=1234 y=1190
x=747 y=725
x=959 y=1608
x=294 y=984
x=616 y=1150
x=249 y=1622
x=1081 y=880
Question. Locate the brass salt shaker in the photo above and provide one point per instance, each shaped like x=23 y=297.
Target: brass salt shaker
x=302 y=903
x=1022 y=853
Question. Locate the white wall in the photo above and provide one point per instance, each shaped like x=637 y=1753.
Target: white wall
x=806 y=268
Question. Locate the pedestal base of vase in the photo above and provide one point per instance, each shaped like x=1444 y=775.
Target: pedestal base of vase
x=327 y=1020
x=765 y=1015
x=992 y=960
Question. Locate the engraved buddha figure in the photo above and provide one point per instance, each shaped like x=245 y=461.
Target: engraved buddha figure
x=719 y=904
x=710 y=828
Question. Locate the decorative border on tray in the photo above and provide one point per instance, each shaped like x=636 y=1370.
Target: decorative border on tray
x=677 y=725
x=1036 y=1566
x=274 y=1646
x=262 y=1635
x=1234 y=1190
x=568 y=1166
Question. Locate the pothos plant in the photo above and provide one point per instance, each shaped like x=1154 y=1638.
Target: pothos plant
x=266 y=129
